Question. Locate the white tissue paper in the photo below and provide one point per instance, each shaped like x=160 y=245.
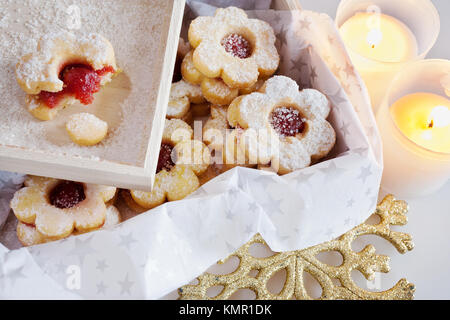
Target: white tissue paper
x=158 y=251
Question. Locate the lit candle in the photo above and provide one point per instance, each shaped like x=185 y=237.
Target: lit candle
x=424 y=118
x=379 y=37
x=383 y=36
x=414 y=124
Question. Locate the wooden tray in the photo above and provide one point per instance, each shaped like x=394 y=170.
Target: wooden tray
x=144 y=34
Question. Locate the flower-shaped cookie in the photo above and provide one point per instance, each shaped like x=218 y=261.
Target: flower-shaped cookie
x=215 y=90
x=182 y=94
x=28 y=235
x=57 y=208
x=233 y=47
x=282 y=125
x=65 y=68
x=181 y=160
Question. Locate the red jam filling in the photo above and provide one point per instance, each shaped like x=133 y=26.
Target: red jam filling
x=67 y=194
x=237 y=46
x=287 y=121
x=165 y=161
x=80 y=81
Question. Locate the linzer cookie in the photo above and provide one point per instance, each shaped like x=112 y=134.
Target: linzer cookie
x=51 y=209
x=233 y=47
x=215 y=90
x=65 y=68
x=283 y=126
x=181 y=160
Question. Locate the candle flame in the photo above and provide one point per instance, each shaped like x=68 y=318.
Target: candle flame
x=439 y=117
x=374 y=37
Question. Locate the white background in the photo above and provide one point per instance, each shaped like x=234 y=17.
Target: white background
x=428 y=265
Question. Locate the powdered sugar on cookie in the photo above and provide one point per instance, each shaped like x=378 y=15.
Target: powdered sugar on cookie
x=282 y=125
x=233 y=47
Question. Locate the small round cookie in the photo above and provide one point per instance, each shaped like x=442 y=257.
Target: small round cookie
x=189 y=71
x=183 y=49
x=233 y=47
x=180 y=161
x=65 y=68
x=58 y=208
x=86 y=129
x=258 y=84
x=217 y=92
x=282 y=125
x=182 y=94
x=28 y=235
x=126 y=196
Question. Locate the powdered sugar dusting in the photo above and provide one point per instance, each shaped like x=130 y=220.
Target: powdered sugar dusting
x=81 y=123
x=237 y=45
x=134 y=29
x=206 y=34
x=287 y=121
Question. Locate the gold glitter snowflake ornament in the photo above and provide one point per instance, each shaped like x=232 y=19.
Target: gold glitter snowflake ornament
x=336 y=281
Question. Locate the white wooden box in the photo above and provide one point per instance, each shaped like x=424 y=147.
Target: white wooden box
x=144 y=34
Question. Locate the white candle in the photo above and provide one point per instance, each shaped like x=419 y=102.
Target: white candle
x=382 y=36
x=414 y=123
x=378 y=37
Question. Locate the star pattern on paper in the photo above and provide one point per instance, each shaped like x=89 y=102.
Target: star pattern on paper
x=276 y=19
x=230 y=248
x=170 y=275
x=248 y=229
x=233 y=192
x=101 y=265
x=298 y=64
x=332 y=169
x=60 y=267
x=338 y=97
x=125 y=286
x=127 y=240
x=151 y=266
x=336 y=70
x=101 y=288
x=304 y=178
x=283 y=35
x=272 y=206
x=82 y=248
x=229 y=214
x=360 y=151
x=313 y=74
x=365 y=173
x=329 y=232
x=331 y=39
x=253 y=206
x=347 y=87
x=349 y=70
x=159 y=238
x=305 y=24
x=15 y=275
x=350 y=203
x=345 y=128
